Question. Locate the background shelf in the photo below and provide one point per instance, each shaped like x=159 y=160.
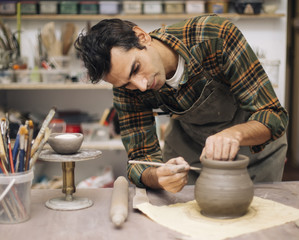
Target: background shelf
x=54 y=86
x=138 y=17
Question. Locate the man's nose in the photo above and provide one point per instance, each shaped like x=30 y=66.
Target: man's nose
x=140 y=83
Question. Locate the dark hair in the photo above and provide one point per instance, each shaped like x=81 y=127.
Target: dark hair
x=95 y=45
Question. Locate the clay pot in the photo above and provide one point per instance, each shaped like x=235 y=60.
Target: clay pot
x=224 y=188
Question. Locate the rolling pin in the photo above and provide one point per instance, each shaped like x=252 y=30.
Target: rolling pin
x=119 y=202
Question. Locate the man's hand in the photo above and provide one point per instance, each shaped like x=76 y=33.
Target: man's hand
x=225 y=145
x=221 y=147
x=172 y=177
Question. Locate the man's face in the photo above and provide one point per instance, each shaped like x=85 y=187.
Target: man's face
x=136 y=69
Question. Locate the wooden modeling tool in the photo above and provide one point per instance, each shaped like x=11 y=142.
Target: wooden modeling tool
x=41 y=132
x=40 y=148
x=119 y=202
x=158 y=164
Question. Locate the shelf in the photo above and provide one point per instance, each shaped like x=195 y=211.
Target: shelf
x=139 y=17
x=56 y=86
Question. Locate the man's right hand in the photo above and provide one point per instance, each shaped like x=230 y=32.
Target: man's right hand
x=172 y=177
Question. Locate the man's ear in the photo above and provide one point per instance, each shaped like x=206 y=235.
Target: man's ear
x=144 y=37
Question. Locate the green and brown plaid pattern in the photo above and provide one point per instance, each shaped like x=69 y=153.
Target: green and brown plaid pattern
x=205 y=42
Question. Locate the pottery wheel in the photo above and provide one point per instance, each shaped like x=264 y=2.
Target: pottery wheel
x=82 y=155
x=69 y=202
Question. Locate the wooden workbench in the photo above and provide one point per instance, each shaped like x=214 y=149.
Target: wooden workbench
x=94 y=223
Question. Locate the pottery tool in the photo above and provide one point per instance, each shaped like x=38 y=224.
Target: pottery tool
x=157 y=164
x=40 y=147
x=29 y=141
x=119 y=202
x=41 y=132
x=139 y=197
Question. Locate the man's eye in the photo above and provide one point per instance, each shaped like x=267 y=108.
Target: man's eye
x=136 y=69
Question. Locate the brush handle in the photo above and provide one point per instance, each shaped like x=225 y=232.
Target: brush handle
x=16 y=150
x=28 y=152
x=21 y=160
x=10 y=158
x=3 y=152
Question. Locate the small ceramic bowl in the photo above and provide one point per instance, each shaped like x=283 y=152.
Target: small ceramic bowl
x=65 y=143
x=270 y=8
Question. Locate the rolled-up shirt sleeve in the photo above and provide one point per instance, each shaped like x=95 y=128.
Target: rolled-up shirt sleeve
x=138 y=132
x=250 y=83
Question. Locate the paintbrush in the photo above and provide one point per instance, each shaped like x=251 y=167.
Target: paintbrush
x=4 y=141
x=23 y=131
x=41 y=132
x=158 y=164
x=40 y=148
x=3 y=154
x=29 y=140
x=10 y=154
x=11 y=164
x=15 y=150
x=25 y=149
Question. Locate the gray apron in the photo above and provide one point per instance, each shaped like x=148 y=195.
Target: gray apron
x=217 y=109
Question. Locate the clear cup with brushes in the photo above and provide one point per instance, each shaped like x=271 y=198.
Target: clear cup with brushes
x=15 y=174
x=15 y=197
x=17 y=166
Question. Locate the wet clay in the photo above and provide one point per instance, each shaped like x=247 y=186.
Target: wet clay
x=224 y=188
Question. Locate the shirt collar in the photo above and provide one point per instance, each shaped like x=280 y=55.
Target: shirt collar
x=177 y=45
x=173 y=42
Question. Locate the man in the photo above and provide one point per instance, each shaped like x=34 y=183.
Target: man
x=203 y=73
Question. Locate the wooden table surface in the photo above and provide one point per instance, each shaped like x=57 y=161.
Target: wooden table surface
x=94 y=223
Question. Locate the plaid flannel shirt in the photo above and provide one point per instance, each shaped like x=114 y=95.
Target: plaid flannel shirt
x=205 y=42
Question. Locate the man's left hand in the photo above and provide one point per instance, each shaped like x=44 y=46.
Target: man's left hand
x=221 y=146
